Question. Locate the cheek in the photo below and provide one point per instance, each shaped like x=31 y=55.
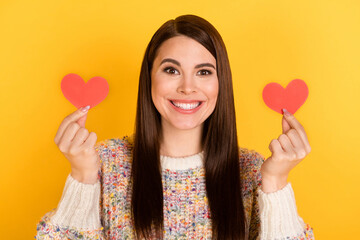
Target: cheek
x=212 y=90
x=159 y=90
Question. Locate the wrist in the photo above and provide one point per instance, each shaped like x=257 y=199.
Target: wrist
x=88 y=178
x=271 y=184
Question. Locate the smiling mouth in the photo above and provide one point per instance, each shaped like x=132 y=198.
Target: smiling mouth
x=186 y=106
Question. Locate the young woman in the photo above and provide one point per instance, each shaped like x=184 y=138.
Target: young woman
x=182 y=174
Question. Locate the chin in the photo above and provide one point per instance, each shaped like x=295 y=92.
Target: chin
x=185 y=126
x=189 y=126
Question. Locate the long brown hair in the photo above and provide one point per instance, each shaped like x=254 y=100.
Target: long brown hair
x=219 y=141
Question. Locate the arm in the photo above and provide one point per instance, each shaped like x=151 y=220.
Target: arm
x=77 y=215
x=275 y=212
x=279 y=217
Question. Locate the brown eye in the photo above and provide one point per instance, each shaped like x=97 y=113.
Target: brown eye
x=205 y=72
x=170 y=70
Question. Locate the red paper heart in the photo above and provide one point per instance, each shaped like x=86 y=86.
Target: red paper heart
x=291 y=98
x=81 y=94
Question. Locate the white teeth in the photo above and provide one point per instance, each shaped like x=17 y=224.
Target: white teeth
x=186 y=106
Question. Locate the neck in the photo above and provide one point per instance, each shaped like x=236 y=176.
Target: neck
x=180 y=143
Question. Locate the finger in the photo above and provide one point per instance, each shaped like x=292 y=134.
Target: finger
x=294 y=123
x=90 y=141
x=276 y=149
x=295 y=139
x=65 y=123
x=286 y=145
x=285 y=125
x=298 y=143
x=67 y=137
x=80 y=137
x=82 y=121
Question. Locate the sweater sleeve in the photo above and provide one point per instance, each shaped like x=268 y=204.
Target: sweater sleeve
x=77 y=215
x=276 y=212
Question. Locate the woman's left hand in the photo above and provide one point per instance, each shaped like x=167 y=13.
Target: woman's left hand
x=287 y=151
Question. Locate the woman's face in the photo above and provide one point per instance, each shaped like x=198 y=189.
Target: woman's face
x=184 y=83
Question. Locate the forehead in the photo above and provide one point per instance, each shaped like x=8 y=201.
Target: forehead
x=184 y=48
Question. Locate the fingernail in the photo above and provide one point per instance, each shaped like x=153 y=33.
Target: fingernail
x=85 y=109
x=286 y=112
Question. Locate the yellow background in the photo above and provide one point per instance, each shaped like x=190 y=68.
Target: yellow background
x=267 y=41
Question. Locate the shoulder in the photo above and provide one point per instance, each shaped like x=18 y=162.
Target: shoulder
x=112 y=144
x=250 y=159
x=250 y=164
x=114 y=148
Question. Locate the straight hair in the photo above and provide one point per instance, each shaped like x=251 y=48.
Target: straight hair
x=219 y=142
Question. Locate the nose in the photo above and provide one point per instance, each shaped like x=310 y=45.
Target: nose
x=187 y=85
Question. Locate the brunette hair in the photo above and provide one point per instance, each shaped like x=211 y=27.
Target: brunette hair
x=219 y=142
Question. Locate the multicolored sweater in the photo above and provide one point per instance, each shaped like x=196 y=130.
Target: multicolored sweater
x=102 y=210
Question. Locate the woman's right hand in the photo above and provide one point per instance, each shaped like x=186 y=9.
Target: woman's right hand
x=77 y=144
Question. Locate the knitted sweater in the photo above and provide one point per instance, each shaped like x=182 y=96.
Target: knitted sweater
x=102 y=210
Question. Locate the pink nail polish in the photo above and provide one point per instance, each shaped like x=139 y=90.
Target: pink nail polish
x=286 y=112
x=85 y=109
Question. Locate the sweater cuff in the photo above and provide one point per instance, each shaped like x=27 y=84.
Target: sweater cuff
x=278 y=214
x=79 y=206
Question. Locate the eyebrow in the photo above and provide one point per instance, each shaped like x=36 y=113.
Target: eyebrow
x=177 y=63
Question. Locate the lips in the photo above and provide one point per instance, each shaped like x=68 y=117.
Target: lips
x=186 y=106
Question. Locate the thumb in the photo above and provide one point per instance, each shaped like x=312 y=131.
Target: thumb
x=81 y=121
x=285 y=125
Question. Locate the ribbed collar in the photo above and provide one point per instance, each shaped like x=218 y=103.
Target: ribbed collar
x=182 y=163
